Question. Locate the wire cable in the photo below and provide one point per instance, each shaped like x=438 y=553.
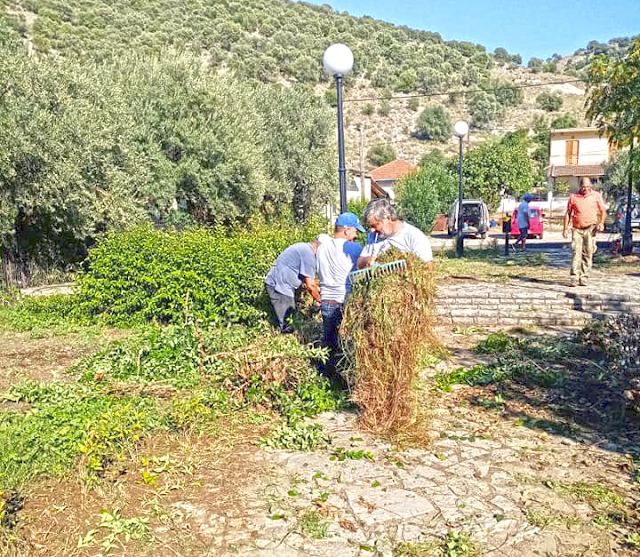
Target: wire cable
x=464 y=91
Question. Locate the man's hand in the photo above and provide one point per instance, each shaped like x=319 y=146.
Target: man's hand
x=601 y=227
x=565 y=234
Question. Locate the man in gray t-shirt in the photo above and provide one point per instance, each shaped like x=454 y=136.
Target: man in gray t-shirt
x=389 y=231
x=295 y=265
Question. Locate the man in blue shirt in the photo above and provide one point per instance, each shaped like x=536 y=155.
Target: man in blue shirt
x=295 y=265
x=522 y=218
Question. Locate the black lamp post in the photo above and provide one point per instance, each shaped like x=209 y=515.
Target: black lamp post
x=627 y=237
x=338 y=61
x=460 y=129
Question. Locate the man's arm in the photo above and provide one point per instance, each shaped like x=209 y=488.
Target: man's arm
x=312 y=287
x=567 y=217
x=603 y=213
x=364 y=261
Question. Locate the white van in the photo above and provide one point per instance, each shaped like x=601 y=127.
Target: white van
x=475 y=218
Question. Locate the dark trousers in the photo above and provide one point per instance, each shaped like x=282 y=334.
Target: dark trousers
x=283 y=306
x=331 y=320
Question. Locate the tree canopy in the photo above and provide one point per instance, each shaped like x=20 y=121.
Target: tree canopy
x=495 y=168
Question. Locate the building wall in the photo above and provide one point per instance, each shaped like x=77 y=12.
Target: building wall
x=355 y=189
x=591 y=148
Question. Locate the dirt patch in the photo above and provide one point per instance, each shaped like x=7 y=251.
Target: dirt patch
x=184 y=491
x=25 y=358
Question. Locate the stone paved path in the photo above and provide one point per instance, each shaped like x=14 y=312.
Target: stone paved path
x=485 y=473
x=537 y=301
x=484 y=481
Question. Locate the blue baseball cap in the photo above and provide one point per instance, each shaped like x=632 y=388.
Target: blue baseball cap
x=528 y=197
x=350 y=220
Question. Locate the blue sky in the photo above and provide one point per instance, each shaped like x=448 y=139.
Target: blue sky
x=537 y=28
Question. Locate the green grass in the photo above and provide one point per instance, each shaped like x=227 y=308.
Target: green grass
x=314 y=525
x=491 y=264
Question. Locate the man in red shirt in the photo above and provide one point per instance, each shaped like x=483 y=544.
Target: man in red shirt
x=587 y=214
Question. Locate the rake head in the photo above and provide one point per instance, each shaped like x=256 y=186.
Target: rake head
x=375 y=270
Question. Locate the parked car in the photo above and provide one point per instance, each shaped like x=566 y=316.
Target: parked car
x=536 y=224
x=616 y=219
x=475 y=218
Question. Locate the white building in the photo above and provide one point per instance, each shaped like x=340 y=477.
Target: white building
x=575 y=153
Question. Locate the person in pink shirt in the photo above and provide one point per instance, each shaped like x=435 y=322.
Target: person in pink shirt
x=587 y=213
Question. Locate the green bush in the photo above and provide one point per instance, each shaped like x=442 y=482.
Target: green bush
x=434 y=123
x=145 y=274
x=368 y=109
x=424 y=194
x=381 y=153
x=549 y=101
x=385 y=108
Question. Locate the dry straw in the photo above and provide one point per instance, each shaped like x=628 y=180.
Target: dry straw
x=387 y=324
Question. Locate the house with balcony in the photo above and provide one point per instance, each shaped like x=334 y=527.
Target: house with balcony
x=575 y=153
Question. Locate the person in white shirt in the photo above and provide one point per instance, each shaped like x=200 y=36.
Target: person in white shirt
x=389 y=230
x=337 y=257
x=522 y=218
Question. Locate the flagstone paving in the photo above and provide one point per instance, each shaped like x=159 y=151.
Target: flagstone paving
x=485 y=473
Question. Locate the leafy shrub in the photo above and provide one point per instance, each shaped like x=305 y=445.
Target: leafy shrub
x=413 y=104
x=385 y=108
x=381 y=153
x=549 y=101
x=485 y=109
x=508 y=94
x=434 y=123
x=145 y=274
x=425 y=193
x=368 y=109
x=564 y=121
x=250 y=366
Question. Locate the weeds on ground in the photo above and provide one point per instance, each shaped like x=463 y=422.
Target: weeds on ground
x=297 y=437
x=454 y=544
x=313 y=525
x=537 y=362
x=65 y=423
x=45 y=315
x=136 y=386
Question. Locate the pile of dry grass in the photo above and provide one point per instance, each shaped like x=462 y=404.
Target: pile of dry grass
x=387 y=323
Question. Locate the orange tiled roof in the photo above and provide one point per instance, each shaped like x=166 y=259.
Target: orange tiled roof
x=557 y=171
x=393 y=170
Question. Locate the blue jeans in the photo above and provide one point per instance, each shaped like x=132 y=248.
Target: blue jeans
x=331 y=320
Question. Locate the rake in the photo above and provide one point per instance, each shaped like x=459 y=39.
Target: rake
x=376 y=269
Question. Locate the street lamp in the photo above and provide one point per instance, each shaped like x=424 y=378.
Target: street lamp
x=627 y=236
x=460 y=129
x=338 y=61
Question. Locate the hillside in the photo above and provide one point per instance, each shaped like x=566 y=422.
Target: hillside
x=278 y=41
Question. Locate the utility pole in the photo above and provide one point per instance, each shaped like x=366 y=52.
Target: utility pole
x=362 y=188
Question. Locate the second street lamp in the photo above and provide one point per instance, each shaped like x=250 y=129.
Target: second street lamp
x=338 y=61
x=460 y=129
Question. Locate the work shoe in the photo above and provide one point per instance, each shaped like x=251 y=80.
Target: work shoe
x=583 y=282
x=574 y=282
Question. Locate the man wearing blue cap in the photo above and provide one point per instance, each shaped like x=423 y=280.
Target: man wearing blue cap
x=522 y=218
x=337 y=257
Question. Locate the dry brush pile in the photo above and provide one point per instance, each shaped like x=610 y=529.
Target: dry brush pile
x=387 y=324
